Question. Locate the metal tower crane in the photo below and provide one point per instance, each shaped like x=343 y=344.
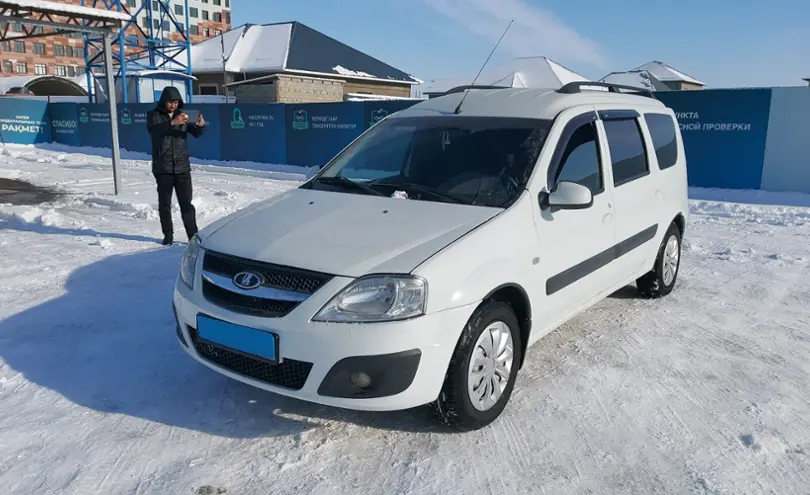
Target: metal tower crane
x=159 y=41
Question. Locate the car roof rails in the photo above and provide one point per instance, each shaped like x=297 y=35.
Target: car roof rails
x=459 y=89
x=576 y=87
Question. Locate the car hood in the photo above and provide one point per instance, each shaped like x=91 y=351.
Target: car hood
x=342 y=234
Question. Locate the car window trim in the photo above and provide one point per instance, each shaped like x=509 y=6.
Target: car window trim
x=554 y=168
x=675 y=136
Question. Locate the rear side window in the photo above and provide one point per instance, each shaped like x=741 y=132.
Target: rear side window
x=662 y=131
x=627 y=154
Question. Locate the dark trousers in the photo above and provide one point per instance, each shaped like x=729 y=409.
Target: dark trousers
x=181 y=184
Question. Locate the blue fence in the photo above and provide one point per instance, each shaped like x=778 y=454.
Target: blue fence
x=735 y=139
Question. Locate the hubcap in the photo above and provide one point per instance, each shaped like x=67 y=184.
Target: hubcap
x=671 y=259
x=490 y=366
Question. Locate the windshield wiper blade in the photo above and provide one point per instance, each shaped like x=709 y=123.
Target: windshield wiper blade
x=423 y=189
x=348 y=183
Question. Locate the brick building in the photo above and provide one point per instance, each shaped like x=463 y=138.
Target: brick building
x=64 y=55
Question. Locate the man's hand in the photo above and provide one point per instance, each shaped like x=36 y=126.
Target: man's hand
x=200 y=121
x=180 y=119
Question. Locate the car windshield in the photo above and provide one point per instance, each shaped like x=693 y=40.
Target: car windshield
x=484 y=161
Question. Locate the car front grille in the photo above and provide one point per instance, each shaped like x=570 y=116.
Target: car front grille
x=294 y=281
x=289 y=373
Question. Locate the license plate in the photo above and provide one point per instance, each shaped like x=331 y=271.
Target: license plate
x=244 y=340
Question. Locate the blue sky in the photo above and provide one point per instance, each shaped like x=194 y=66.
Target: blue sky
x=754 y=43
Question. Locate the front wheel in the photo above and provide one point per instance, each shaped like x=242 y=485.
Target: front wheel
x=661 y=280
x=483 y=369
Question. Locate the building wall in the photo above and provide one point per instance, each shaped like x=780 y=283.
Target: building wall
x=401 y=90
x=75 y=65
x=291 y=89
x=682 y=86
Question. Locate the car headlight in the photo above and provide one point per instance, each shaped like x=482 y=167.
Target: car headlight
x=190 y=261
x=377 y=299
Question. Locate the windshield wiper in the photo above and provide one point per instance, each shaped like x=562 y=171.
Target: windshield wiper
x=407 y=186
x=348 y=183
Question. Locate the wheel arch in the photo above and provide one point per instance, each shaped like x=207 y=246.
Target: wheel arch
x=517 y=298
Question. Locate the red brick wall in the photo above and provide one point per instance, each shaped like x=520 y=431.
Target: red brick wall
x=52 y=61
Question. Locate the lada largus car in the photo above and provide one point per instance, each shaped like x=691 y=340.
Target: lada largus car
x=420 y=264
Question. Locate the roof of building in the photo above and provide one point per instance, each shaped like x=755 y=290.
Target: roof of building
x=289 y=47
x=641 y=79
x=522 y=72
x=66 y=8
x=667 y=73
x=46 y=85
x=524 y=103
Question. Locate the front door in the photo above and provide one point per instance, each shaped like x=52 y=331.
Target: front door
x=576 y=245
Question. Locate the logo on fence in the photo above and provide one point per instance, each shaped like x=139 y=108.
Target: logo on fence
x=84 y=117
x=378 y=115
x=126 y=116
x=236 y=120
x=300 y=120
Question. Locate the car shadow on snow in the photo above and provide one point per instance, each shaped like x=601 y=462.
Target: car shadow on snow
x=22 y=226
x=109 y=344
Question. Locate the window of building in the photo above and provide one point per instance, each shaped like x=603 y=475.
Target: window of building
x=206 y=32
x=193 y=12
x=194 y=30
x=217 y=16
x=627 y=154
x=145 y=22
x=40 y=69
x=17 y=27
x=69 y=51
x=8 y=67
x=205 y=15
x=166 y=26
x=19 y=46
x=60 y=70
x=156 y=23
x=22 y=68
x=79 y=52
x=6 y=46
x=179 y=10
x=39 y=49
x=662 y=131
x=58 y=50
x=217 y=2
x=228 y=4
x=217 y=32
x=71 y=71
x=132 y=3
x=582 y=162
x=227 y=17
x=155 y=5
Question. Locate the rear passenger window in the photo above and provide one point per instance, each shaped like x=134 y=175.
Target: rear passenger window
x=627 y=154
x=662 y=131
x=580 y=160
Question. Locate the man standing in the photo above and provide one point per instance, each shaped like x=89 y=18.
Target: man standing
x=171 y=166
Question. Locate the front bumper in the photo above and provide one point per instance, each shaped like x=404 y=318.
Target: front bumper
x=373 y=366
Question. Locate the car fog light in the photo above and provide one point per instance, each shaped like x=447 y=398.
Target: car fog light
x=360 y=379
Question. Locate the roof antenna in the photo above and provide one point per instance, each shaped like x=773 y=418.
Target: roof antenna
x=458 y=108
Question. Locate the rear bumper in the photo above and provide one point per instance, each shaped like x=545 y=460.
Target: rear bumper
x=377 y=367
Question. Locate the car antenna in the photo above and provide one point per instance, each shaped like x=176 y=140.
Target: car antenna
x=458 y=108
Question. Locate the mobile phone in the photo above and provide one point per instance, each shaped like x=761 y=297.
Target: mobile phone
x=193 y=115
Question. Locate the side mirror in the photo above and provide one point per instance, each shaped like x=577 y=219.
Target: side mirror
x=567 y=196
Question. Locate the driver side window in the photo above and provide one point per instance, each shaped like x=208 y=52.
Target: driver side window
x=580 y=161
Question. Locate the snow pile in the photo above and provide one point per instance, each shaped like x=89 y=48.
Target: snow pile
x=704 y=391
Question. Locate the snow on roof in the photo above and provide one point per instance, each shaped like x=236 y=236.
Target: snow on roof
x=6 y=83
x=639 y=79
x=523 y=72
x=289 y=47
x=64 y=8
x=666 y=73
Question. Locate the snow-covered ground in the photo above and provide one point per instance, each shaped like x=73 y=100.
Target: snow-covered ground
x=705 y=391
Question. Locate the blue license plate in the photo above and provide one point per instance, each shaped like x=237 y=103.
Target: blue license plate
x=245 y=340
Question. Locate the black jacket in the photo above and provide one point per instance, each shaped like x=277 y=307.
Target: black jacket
x=169 y=149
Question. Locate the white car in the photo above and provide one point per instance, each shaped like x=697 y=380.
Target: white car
x=419 y=265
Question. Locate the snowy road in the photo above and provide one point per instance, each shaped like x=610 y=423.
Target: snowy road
x=705 y=391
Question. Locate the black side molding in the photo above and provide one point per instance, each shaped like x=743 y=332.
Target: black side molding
x=585 y=268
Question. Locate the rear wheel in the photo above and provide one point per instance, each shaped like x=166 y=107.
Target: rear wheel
x=483 y=369
x=661 y=280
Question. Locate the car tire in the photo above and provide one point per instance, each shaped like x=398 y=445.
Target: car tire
x=455 y=406
x=662 y=278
